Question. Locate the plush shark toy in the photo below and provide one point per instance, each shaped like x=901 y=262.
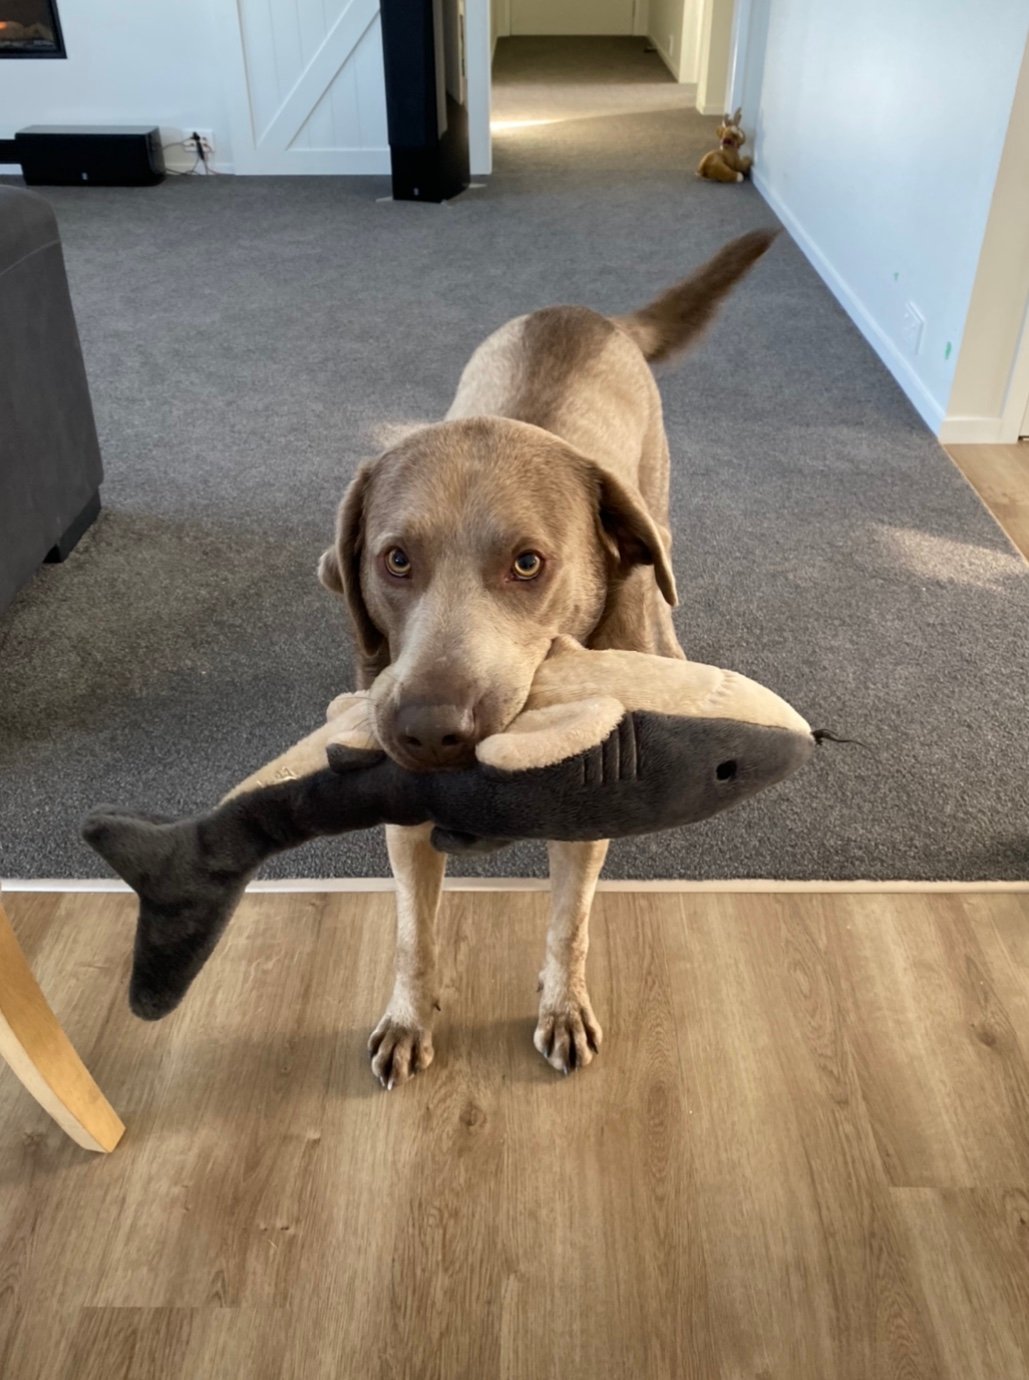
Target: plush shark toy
x=609 y=744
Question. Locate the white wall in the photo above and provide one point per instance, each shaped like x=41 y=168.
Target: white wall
x=673 y=26
x=128 y=63
x=878 y=131
x=571 y=16
x=499 y=22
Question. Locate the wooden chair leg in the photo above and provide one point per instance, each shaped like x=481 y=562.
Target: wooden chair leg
x=42 y=1056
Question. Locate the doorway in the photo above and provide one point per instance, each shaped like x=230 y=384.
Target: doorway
x=555 y=79
x=560 y=60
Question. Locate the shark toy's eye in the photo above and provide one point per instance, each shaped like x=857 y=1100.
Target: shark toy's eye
x=527 y=565
x=398 y=563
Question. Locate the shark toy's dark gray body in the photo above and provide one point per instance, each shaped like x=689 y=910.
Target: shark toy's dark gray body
x=652 y=771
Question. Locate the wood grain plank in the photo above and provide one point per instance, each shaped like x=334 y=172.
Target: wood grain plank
x=1000 y=476
x=1010 y=918
x=971 y=1247
x=797 y=1218
x=579 y=1205
x=938 y=1056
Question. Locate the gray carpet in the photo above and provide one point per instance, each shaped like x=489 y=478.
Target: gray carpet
x=248 y=341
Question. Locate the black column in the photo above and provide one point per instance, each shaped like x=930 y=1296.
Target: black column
x=423 y=55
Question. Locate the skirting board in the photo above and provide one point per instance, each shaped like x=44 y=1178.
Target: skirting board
x=977 y=431
x=365 y=885
x=908 y=381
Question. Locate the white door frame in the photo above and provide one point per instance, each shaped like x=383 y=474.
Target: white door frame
x=738 y=54
x=991 y=378
x=479 y=73
x=713 y=83
x=1015 y=419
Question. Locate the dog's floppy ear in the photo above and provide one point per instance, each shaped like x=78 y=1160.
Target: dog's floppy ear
x=628 y=531
x=340 y=567
x=329 y=571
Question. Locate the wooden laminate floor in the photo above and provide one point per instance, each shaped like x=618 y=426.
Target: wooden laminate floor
x=803 y=1153
x=1000 y=476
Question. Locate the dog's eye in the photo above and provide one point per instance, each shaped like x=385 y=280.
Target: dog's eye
x=398 y=563
x=527 y=566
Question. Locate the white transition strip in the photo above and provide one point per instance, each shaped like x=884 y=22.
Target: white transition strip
x=371 y=885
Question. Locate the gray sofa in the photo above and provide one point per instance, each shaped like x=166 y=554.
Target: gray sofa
x=50 y=468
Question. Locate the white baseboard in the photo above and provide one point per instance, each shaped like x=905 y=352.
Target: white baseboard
x=908 y=381
x=976 y=431
x=10 y=170
x=356 y=162
x=228 y=169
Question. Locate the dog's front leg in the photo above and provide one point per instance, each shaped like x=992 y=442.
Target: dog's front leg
x=401 y=1044
x=568 y=1033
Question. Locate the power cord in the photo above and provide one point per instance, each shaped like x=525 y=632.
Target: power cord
x=198 y=144
x=178 y=172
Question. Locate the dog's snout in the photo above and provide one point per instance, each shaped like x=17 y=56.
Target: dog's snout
x=436 y=735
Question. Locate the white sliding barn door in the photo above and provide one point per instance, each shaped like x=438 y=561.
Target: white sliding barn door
x=307 y=91
x=572 y=16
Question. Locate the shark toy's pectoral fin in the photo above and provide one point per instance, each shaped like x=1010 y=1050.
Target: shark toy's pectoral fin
x=346 y=756
x=450 y=841
x=542 y=737
x=346 y=705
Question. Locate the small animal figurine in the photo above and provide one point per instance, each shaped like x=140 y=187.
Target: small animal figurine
x=726 y=163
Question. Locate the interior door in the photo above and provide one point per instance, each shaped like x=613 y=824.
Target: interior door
x=307 y=91
x=572 y=16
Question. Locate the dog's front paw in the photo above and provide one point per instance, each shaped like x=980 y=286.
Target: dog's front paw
x=568 y=1034
x=400 y=1046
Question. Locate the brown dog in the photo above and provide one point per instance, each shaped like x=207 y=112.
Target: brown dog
x=538 y=508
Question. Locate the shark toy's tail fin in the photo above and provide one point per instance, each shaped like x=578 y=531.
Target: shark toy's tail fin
x=185 y=900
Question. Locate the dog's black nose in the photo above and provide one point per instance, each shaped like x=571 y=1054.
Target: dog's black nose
x=435 y=735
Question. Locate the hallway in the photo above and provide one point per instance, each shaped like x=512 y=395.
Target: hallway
x=547 y=80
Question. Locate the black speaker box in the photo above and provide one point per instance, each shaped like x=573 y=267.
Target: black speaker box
x=97 y=155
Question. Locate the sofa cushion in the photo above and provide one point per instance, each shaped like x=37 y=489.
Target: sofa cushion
x=27 y=223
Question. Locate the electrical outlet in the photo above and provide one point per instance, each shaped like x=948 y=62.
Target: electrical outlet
x=206 y=142
x=913 y=328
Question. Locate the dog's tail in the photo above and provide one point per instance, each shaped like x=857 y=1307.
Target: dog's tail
x=674 y=320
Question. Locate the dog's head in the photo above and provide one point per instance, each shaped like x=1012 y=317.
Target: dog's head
x=461 y=554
